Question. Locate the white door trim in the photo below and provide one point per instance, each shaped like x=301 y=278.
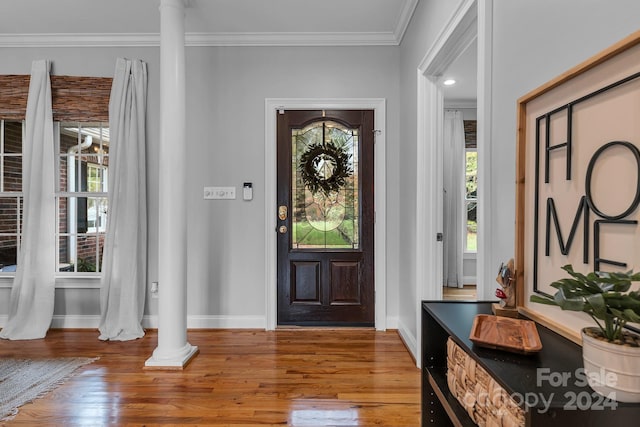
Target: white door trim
x=471 y=20
x=485 y=270
x=272 y=105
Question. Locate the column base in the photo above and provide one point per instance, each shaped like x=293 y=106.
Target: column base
x=173 y=361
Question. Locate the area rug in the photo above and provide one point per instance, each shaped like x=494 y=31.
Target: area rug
x=23 y=380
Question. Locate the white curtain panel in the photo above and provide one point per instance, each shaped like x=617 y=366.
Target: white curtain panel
x=124 y=273
x=454 y=187
x=32 y=294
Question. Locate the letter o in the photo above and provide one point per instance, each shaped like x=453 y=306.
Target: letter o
x=587 y=185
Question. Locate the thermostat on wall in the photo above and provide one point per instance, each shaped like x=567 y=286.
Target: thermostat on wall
x=247 y=191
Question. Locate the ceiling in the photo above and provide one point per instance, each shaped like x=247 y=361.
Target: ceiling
x=92 y=23
x=464 y=71
x=233 y=22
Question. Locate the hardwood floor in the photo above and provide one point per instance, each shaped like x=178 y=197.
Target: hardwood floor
x=466 y=293
x=239 y=378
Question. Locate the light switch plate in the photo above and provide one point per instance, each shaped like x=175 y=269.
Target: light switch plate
x=219 y=193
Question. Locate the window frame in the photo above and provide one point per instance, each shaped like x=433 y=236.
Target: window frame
x=74 y=98
x=101 y=217
x=71 y=195
x=467 y=201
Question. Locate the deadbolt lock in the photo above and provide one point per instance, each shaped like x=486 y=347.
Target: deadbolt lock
x=282 y=213
x=282 y=229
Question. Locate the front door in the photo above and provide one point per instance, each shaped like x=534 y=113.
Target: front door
x=325 y=218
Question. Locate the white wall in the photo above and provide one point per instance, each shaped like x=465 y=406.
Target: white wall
x=226 y=91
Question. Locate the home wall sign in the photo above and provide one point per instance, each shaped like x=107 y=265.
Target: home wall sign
x=578 y=177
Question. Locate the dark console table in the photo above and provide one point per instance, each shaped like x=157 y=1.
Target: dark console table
x=566 y=404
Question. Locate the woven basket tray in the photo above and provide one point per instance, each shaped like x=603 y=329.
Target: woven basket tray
x=488 y=404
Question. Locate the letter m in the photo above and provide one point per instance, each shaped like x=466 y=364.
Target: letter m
x=583 y=208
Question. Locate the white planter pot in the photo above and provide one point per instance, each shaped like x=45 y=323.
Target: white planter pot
x=612 y=369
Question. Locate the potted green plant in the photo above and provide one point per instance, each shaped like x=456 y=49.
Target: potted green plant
x=611 y=354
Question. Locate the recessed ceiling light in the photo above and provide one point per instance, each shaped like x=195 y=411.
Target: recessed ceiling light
x=449 y=82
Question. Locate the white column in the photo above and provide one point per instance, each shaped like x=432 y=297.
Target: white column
x=173 y=350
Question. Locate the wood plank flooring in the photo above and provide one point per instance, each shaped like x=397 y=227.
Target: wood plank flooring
x=467 y=293
x=240 y=378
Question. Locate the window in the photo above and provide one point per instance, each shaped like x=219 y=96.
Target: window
x=471 y=184
x=11 y=135
x=82 y=172
x=80 y=112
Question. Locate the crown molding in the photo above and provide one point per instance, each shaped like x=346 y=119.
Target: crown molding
x=405 y=17
x=200 y=39
x=291 y=39
x=80 y=40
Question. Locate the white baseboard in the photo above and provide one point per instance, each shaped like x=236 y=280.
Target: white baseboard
x=193 y=322
x=409 y=340
x=392 y=322
x=214 y=322
x=75 y=321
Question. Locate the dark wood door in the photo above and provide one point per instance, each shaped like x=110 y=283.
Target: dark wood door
x=325 y=218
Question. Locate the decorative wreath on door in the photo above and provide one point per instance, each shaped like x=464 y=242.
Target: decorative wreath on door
x=325 y=167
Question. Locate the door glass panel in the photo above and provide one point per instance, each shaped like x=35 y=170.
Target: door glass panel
x=324 y=187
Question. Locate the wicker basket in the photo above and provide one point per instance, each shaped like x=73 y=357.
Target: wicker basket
x=488 y=404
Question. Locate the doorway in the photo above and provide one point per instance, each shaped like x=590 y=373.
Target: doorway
x=460 y=180
x=272 y=107
x=325 y=187
x=472 y=19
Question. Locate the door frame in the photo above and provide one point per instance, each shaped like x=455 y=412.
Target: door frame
x=272 y=105
x=472 y=18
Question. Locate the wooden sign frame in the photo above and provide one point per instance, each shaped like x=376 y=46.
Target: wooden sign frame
x=578 y=179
